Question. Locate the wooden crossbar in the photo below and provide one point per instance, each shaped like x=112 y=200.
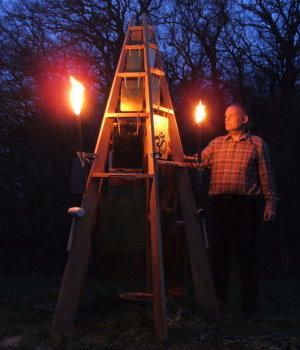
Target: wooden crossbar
x=124 y=175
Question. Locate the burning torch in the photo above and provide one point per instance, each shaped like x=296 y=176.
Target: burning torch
x=76 y=99
x=200 y=115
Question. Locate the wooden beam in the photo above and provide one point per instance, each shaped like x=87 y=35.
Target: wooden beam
x=139 y=27
x=164 y=109
x=124 y=175
x=157 y=270
x=158 y=284
x=202 y=278
x=127 y=115
x=153 y=46
x=135 y=28
x=153 y=70
x=140 y=47
x=157 y=71
x=131 y=74
x=77 y=264
x=135 y=47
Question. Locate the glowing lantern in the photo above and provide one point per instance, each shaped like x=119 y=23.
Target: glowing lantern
x=76 y=95
x=200 y=113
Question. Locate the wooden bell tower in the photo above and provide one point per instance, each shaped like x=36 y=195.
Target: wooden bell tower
x=140 y=95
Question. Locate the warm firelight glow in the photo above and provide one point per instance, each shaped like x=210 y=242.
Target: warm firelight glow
x=200 y=112
x=76 y=95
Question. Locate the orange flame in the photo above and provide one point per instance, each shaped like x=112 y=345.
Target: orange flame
x=76 y=95
x=200 y=113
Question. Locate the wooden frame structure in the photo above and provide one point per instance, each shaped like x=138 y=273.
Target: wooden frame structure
x=141 y=38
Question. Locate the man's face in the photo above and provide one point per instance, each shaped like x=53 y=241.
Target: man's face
x=235 y=119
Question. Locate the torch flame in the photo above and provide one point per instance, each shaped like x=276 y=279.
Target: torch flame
x=76 y=95
x=200 y=112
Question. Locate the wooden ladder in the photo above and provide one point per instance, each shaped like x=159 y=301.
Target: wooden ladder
x=139 y=40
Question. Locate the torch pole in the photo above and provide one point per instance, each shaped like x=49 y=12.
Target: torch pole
x=199 y=149
x=198 y=139
x=79 y=133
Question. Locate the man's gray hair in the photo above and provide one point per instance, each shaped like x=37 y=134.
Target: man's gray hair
x=246 y=111
x=245 y=108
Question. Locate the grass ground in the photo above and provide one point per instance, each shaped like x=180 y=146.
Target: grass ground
x=106 y=322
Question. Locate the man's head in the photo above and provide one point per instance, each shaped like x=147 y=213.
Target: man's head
x=236 y=117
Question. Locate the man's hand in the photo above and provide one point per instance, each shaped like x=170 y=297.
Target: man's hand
x=192 y=161
x=269 y=215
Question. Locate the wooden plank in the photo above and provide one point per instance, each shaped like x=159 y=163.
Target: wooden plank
x=131 y=74
x=123 y=175
x=163 y=109
x=148 y=237
x=135 y=28
x=153 y=46
x=127 y=115
x=171 y=163
x=159 y=302
x=157 y=71
x=77 y=264
x=135 y=47
x=175 y=139
x=140 y=47
x=139 y=27
x=157 y=270
x=185 y=164
x=202 y=278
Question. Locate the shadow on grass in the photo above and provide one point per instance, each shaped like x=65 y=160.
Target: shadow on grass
x=107 y=322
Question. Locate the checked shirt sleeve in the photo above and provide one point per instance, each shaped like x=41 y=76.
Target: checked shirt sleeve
x=207 y=154
x=266 y=177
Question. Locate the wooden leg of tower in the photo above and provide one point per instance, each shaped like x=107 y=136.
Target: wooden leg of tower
x=76 y=267
x=148 y=241
x=201 y=273
x=158 y=287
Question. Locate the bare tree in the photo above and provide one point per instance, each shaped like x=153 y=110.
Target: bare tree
x=272 y=45
x=42 y=42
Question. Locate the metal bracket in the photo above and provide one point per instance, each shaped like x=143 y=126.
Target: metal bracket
x=155 y=155
x=85 y=156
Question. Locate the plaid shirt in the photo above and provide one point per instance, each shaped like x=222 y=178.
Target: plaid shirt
x=240 y=167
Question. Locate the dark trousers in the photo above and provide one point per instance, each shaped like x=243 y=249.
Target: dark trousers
x=235 y=218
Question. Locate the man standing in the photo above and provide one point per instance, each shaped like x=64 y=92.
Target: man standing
x=240 y=172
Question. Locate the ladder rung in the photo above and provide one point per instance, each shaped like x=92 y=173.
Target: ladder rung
x=127 y=115
x=153 y=46
x=129 y=176
x=136 y=28
x=171 y=163
x=132 y=74
x=140 y=74
x=140 y=47
x=140 y=27
x=135 y=47
x=157 y=71
x=164 y=109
